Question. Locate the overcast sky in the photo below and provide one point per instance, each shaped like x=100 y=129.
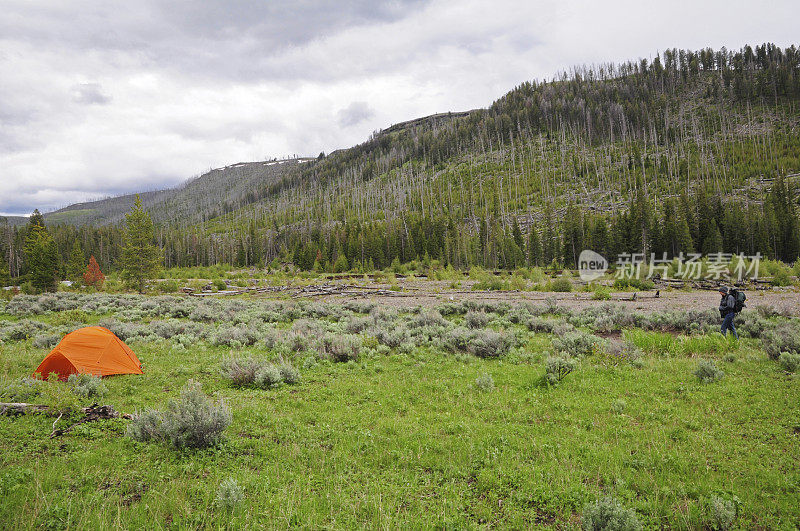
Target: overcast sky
x=103 y=97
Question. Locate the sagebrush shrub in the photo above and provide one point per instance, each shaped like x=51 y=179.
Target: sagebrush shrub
x=21 y=390
x=790 y=362
x=557 y=367
x=268 y=376
x=194 y=421
x=236 y=336
x=244 y=372
x=229 y=494
x=354 y=325
x=429 y=318
x=296 y=341
x=458 y=339
x=289 y=374
x=577 y=344
x=145 y=426
x=476 y=319
x=489 y=344
x=723 y=513
x=606 y=514
x=46 y=340
x=484 y=382
x=541 y=325
x=785 y=337
x=240 y=371
x=708 y=372
x=86 y=385
x=393 y=337
x=340 y=347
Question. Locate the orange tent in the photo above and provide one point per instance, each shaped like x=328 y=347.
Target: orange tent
x=91 y=350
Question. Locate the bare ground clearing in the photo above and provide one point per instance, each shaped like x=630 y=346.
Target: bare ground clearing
x=428 y=293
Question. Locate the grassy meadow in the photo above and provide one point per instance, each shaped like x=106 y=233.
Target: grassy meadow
x=462 y=416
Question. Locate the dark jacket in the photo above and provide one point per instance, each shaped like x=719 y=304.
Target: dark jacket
x=726 y=304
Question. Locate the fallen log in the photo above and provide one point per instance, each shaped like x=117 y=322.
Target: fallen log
x=12 y=409
x=93 y=412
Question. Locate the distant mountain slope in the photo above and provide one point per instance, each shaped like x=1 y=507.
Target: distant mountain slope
x=212 y=194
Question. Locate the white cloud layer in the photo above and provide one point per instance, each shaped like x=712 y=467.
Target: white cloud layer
x=104 y=98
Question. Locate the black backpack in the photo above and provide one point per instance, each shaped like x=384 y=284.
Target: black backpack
x=739 y=297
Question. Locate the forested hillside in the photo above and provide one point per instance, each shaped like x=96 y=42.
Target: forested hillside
x=692 y=151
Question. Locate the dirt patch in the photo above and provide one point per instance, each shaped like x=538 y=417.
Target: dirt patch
x=430 y=293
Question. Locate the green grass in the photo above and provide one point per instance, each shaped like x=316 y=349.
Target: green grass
x=409 y=441
x=69 y=216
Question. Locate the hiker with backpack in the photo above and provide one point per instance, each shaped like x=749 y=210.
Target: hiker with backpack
x=730 y=304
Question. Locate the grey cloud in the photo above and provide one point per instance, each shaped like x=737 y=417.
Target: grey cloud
x=90 y=94
x=355 y=113
x=208 y=39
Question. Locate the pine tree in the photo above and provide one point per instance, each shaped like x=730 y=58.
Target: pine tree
x=713 y=241
x=75 y=265
x=600 y=241
x=534 y=247
x=683 y=238
x=5 y=274
x=140 y=258
x=41 y=255
x=93 y=277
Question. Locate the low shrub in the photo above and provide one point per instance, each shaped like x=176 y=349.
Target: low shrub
x=601 y=293
x=289 y=374
x=708 y=372
x=244 y=372
x=46 y=340
x=484 y=382
x=723 y=513
x=192 y=421
x=577 y=344
x=557 y=367
x=229 y=494
x=560 y=285
x=267 y=376
x=541 y=325
x=489 y=344
x=790 y=362
x=429 y=318
x=606 y=514
x=168 y=286
x=622 y=351
x=785 y=337
x=236 y=336
x=86 y=385
x=146 y=426
x=355 y=325
x=634 y=283
x=458 y=339
x=392 y=338
x=476 y=319
x=22 y=390
x=340 y=348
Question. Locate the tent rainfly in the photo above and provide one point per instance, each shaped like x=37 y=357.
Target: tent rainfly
x=91 y=350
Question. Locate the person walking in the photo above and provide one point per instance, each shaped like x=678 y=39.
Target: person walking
x=727 y=310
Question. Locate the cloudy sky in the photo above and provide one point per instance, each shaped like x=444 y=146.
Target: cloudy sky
x=106 y=97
